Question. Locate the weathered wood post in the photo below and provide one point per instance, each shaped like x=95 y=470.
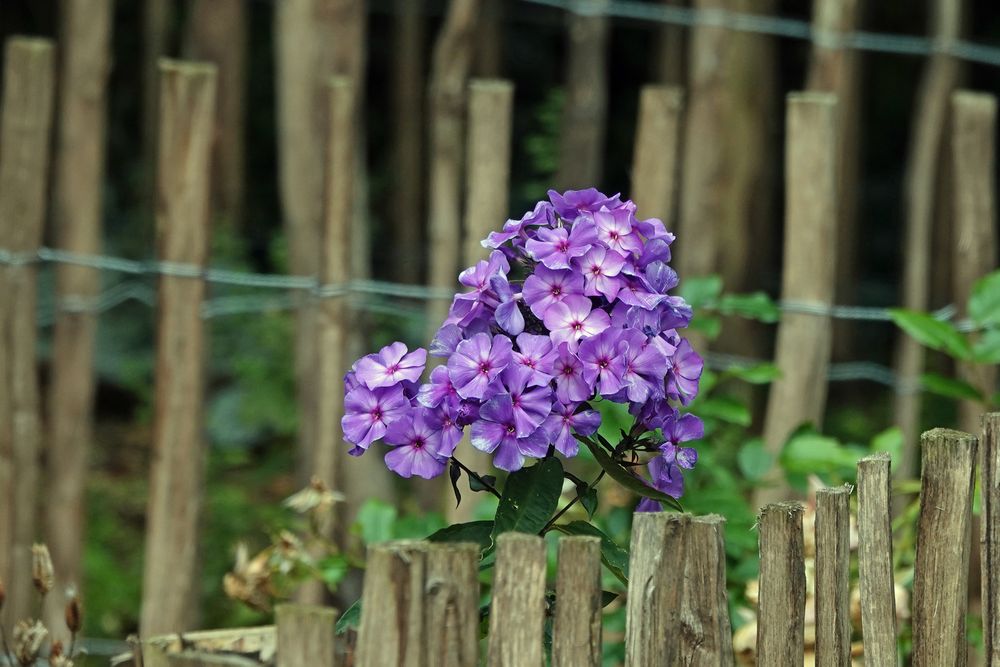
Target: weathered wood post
x=305 y=635
x=878 y=597
x=517 y=615
x=657 y=149
x=990 y=560
x=833 y=577
x=393 y=626
x=187 y=121
x=25 y=128
x=781 y=611
x=576 y=630
x=451 y=606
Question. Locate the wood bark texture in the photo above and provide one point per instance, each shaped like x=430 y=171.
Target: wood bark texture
x=833 y=577
x=392 y=606
x=517 y=615
x=305 y=635
x=657 y=149
x=990 y=524
x=451 y=606
x=878 y=598
x=576 y=630
x=781 y=610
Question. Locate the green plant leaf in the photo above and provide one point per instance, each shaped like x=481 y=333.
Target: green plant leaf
x=984 y=302
x=933 y=333
x=588 y=499
x=350 y=619
x=757 y=374
x=332 y=569
x=454 y=473
x=618 y=473
x=702 y=291
x=478 y=532
x=890 y=441
x=706 y=324
x=375 y=521
x=807 y=453
x=726 y=408
x=755 y=306
x=613 y=556
x=949 y=387
x=754 y=460
x=986 y=350
x=476 y=483
x=529 y=498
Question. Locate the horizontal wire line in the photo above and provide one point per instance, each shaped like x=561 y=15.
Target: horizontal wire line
x=780 y=27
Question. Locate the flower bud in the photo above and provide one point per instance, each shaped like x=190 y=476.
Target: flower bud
x=42 y=574
x=28 y=639
x=74 y=612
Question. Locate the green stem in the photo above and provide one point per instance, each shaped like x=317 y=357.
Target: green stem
x=552 y=521
x=471 y=473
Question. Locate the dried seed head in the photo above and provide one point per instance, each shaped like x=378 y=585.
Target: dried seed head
x=56 y=650
x=74 y=611
x=315 y=498
x=42 y=574
x=28 y=639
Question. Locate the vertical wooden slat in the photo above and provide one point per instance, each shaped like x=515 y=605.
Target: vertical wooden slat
x=490 y=47
x=25 y=128
x=487 y=183
x=576 y=630
x=157 y=18
x=392 y=606
x=990 y=561
x=878 y=599
x=941 y=570
x=453 y=52
x=203 y=659
x=939 y=78
x=704 y=634
x=305 y=635
x=187 y=121
x=657 y=148
x=669 y=55
x=581 y=144
x=973 y=135
x=833 y=572
x=781 y=611
x=79 y=182
x=803 y=345
x=451 y=606
x=517 y=615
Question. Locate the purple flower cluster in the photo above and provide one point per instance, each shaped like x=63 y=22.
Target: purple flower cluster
x=571 y=307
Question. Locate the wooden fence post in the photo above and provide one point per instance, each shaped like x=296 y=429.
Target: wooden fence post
x=204 y=659
x=392 y=606
x=187 y=121
x=657 y=148
x=77 y=212
x=453 y=52
x=990 y=561
x=157 y=17
x=923 y=164
x=451 y=606
x=25 y=128
x=704 y=633
x=878 y=598
x=973 y=134
x=305 y=635
x=781 y=611
x=576 y=630
x=833 y=577
x=581 y=144
x=941 y=570
x=669 y=59
x=803 y=346
x=517 y=614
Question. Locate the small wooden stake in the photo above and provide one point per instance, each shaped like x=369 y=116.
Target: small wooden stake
x=781 y=612
x=517 y=615
x=657 y=149
x=833 y=572
x=990 y=489
x=451 y=606
x=305 y=635
x=25 y=128
x=187 y=121
x=703 y=632
x=941 y=570
x=392 y=606
x=576 y=631
x=203 y=659
x=878 y=598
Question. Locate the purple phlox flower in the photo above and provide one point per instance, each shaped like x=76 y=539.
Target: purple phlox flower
x=478 y=277
x=516 y=229
x=369 y=412
x=644 y=367
x=564 y=420
x=679 y=428
x=571 y=387
x=531 y=404
x=653 y=229
x=390 y=366
x=555 y=247
x=467 y=412
x=684 y=373
x=615 y=230
x=476 y=362
x=572 y=319
x=600 y=267
x=535 y=355
x=496 y=433
x=480 y=302
x=655 y=250
x=415 y=447
x=507 y=314
x=649 y=505
x=666 y=476
x=351 y=380
x=603 y=360
x=651 y=413
x=446 y=340
x=438 y=390
x=546 y=287
x=634 y=292
x=445 y=420
x=572 y=203
x=659 y=277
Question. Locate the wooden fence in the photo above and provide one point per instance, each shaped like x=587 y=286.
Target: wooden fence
x=421 y=601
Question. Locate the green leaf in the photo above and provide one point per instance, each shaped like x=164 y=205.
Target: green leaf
x=986 y=350
x=890 y=441
x=808 y=453
x=375 y=521
x=702 y=291
x=618 y=473
x=454 y=474
x=607 y=597
x=949 y=387
x=588 y=499
x=613 y=556
x=332 y=569
x=529 y=498
x=754 y=460
x=984 y=302
x=933 y=333
x=755 y=306
x=707 y=325
x=757 y=374
x=477 y=483
x=726 y=408
x=350 y=619
x=478 y=532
